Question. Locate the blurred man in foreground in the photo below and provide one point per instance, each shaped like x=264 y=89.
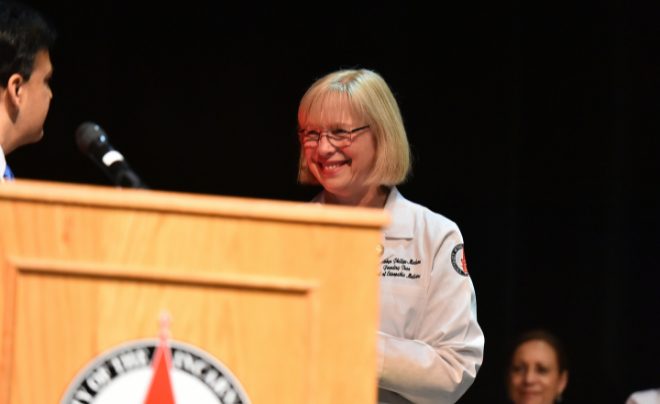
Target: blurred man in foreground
x=25 y=69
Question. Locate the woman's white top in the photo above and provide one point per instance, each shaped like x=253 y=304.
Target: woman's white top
x=430 y=345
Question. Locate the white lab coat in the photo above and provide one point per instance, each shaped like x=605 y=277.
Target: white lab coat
x=430 y=345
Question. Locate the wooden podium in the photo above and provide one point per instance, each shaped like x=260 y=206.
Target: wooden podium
x=284 y=294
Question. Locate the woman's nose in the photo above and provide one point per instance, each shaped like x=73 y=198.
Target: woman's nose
x=530 y=377
x=325 y=147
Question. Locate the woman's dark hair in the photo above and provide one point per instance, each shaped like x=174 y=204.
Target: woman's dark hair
x=23 y=34
x=545 y=336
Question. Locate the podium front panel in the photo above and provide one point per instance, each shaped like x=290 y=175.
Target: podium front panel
x=284 y=294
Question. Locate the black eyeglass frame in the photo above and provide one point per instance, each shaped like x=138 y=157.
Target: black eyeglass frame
x=329 y=135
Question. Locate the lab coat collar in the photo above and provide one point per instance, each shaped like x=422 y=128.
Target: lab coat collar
x=403 y=219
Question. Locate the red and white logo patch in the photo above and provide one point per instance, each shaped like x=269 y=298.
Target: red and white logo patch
x=458 y=260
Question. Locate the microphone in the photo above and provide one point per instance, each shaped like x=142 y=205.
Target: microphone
x=93 y=142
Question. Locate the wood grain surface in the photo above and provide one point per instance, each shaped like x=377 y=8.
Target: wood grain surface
x=284 y=294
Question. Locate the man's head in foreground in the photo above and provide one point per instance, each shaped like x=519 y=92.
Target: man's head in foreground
x=25 y=68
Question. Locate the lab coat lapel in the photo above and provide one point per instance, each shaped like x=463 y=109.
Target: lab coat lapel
x=402 y=224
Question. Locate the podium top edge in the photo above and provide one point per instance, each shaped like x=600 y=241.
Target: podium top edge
x=195 y=204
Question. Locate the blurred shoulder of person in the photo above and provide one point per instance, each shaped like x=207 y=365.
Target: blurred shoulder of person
x=645 y=397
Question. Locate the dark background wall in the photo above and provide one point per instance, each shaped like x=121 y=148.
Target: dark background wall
x=534 y=126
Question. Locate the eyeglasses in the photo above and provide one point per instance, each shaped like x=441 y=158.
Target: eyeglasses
x=311 y=137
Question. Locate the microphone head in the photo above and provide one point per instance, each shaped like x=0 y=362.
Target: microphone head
x=88 y=133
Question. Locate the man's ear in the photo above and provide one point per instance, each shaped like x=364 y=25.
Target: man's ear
x=15 y=90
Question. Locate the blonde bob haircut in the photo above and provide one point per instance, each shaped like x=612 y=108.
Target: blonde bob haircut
x=367 y=96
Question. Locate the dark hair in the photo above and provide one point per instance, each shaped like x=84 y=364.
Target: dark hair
x=23 y=34
x=542 y=335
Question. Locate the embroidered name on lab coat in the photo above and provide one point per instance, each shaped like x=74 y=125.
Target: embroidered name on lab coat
x=400 y=267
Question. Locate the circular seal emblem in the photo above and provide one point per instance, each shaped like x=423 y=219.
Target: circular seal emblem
x=458 y=260
x=149 y=371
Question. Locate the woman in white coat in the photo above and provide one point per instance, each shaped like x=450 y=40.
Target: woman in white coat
x=353 y=143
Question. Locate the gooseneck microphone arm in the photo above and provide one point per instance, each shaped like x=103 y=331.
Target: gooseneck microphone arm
x=93 y=142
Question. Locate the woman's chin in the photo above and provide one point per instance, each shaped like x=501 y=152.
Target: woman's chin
x=335 y=189
x=530 y=399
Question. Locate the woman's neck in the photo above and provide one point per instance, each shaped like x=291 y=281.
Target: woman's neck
x=372 y=197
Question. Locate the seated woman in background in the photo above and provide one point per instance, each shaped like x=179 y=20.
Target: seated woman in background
x=353 y=143
x=538 y=369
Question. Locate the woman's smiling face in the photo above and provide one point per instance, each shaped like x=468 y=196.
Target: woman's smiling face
x=342 y=171
x=535 y=377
